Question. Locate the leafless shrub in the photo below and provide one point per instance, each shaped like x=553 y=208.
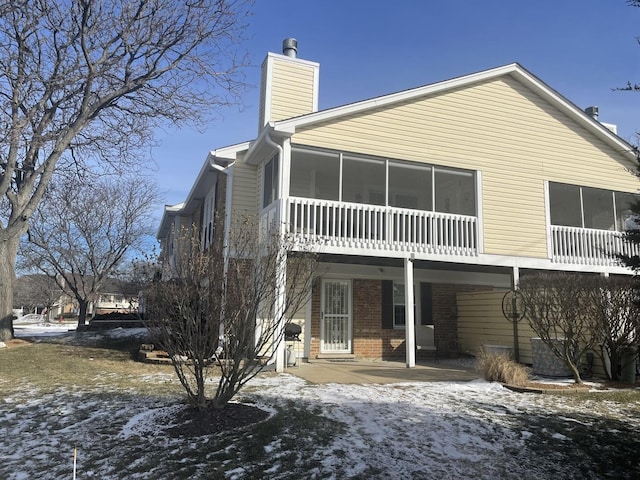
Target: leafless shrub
x=222 y=312
x=558 y=307
x=614 y=308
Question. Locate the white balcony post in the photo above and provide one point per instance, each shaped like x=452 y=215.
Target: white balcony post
x=279 y=315
x=280 y=293
x=409 y=323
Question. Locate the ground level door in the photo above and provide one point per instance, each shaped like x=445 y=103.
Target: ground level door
x=424 y=319
x=336 y=316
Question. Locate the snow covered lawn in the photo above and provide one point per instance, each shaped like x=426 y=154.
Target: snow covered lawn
x=451 y=430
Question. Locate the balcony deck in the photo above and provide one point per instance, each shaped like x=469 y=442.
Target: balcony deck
x=376 y=228
x=382 y=230
x=588 y=246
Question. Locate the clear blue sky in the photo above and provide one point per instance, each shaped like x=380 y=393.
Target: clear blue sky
x=366 y=48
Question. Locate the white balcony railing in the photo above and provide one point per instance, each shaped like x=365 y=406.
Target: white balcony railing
x=374 y=227
x=587 y=246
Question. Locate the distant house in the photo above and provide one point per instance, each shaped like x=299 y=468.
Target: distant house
x=114 y=296
x=40 y=294
x=417 y=197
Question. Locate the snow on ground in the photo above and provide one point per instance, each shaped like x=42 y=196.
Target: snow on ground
x=42 y=329
x=439 y=430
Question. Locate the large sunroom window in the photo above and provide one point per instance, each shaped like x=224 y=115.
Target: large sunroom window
x=378 y=181
x=410 y=186
x=315 y=174
x=455 y=191
x=363 y=180
x=587 y=207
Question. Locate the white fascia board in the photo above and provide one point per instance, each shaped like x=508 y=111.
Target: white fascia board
x=261 y=146
x=197 y=189
x=170 y=212
x=579 y=115
x=226 y=154
x=209 y=172
x=351 y=108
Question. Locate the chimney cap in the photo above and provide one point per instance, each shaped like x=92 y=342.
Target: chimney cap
x=290 y=47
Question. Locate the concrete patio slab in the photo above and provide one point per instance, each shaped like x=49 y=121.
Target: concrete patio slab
x=360 y=371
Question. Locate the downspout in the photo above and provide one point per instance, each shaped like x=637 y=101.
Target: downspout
x=280 y=157
x=228 y=171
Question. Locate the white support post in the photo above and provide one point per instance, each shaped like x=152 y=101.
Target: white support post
x=281 y=274
x=281 y=292
x=409 y=324
x=515 y=277
x=515 y=281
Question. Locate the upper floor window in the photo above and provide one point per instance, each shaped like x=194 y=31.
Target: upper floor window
x=363 y=180
x=270 y=184
x=208 y=214
x=315 y=174
x=587 y=207
x=378 y=181
x=410 y=186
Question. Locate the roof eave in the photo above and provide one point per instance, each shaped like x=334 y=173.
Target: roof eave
x=168 y=216
x=261 y=147
x=290 y=125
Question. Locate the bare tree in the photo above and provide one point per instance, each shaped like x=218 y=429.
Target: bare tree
x=615 y=309
x=82 y=80
x=80 y=234
x=33 y=291
x=138 y=275
x=219 y=317
x=558 y=309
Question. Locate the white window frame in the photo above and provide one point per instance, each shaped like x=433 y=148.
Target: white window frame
x=269 y=195
x=208 y=223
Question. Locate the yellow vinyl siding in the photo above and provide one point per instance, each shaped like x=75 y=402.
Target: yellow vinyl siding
x=481 y=322
x=501 y=128
x=244 y=188
x=292 y=89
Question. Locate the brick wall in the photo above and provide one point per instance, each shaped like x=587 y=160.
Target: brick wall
x=315 y=320
x=370 y=340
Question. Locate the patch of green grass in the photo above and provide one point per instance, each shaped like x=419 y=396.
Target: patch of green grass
x=48 y=366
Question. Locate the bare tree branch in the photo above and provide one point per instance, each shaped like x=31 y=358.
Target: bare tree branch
x=82 y=232
x=222 y=318
x=86 y=82
x=558 y=309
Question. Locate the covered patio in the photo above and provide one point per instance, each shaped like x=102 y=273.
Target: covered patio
x=363 y=371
